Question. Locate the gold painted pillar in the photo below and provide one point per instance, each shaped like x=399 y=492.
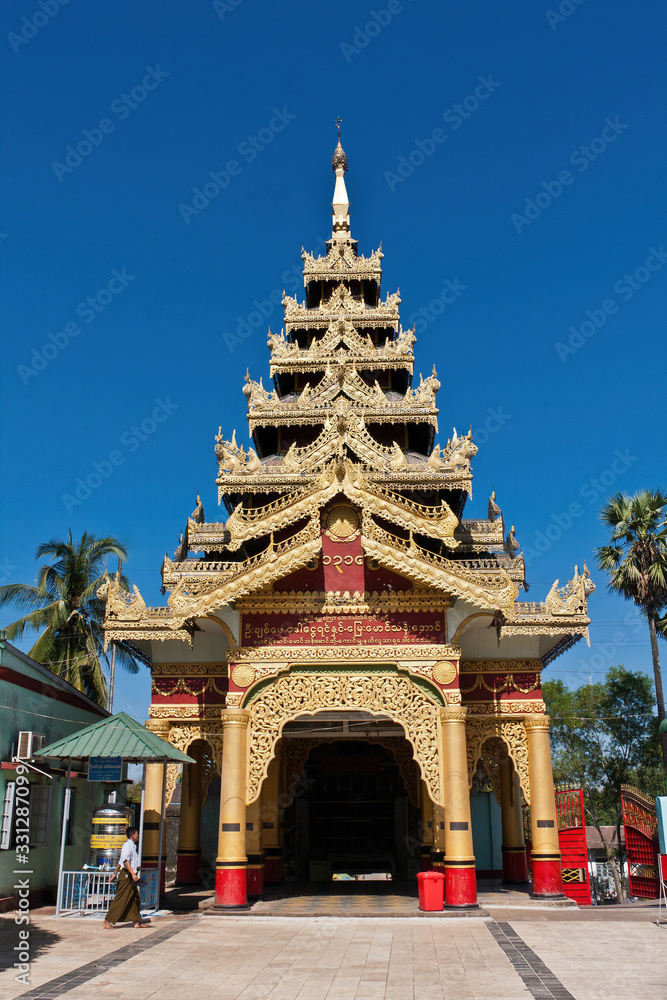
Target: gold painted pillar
x=255 y=870
x=438 y=848
x=545 y=851
x=426 y=804
x=460 y=878
x=188 y=854
x=271 y=823
x=230 y=876
x=515 y=862
x=151 y=855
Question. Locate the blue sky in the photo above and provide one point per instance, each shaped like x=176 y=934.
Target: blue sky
x=515 y=151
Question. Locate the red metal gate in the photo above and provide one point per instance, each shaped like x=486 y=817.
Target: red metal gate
x=641 y=842
x=572 y=843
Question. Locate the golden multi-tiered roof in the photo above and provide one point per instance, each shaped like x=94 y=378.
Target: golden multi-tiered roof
x=343 y=425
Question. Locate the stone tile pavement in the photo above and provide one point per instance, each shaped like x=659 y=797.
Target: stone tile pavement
x=529 y=955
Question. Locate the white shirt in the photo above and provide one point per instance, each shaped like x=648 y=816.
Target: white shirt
x=128 y=852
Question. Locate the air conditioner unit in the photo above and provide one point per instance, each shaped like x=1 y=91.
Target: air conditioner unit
x=29 y=744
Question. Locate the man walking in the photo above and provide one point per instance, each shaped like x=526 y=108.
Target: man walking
x=125 y=906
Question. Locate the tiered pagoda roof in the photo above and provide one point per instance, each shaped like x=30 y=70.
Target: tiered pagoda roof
x=344 y=422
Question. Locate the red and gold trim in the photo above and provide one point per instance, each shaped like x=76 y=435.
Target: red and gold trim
x=547 y=876
x=230 y=885
x=460 y=885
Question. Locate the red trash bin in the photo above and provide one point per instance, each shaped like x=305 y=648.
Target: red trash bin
x=431 y=890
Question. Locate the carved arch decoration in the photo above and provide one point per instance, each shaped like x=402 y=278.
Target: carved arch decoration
x=182 y=737
x=298 y=693
x=299 y=750
x=513 y=735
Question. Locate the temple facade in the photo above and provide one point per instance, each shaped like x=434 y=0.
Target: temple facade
x=344 y=654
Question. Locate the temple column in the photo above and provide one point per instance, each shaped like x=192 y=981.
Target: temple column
x=438 y=848
x=460 y=878
x=426 y=828
x=230 y=874
x=188 y=854
x=273 y=862
x=255 y=855
x=155 y=774
x=515 y=863
x=545 y=852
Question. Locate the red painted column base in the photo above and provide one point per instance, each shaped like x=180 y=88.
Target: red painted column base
x=460 y=888
x=230 y=887
x=515 y=864
x=273 y=868
x=188 y=869
x=547 y=878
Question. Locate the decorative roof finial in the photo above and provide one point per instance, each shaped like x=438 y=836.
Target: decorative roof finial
x=339 y=158
x=341 y=202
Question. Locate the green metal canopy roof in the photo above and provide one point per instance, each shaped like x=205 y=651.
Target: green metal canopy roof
x=117 y=736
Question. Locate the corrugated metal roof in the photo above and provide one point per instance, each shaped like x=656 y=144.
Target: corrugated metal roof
x=117 y=736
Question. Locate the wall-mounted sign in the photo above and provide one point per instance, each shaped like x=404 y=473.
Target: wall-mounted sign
x=105 y=768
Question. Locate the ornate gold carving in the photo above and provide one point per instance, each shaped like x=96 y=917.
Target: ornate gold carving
x=572 y=599
x=502 y=683
x=237 y=716
x=319 y=602
x=234 y=699
x=182 y=687
x=380 y=694
x=455 y=455
x=493 y=754
x=214 y=670
x=159 y=727
x=409 y=558
x=504 y=707
x=444 y=672
x=454 y=712
x=342 y=523
x=537 y=722
x=501 y=666
x=193 y=712
x=513 y=734
x=243 y=676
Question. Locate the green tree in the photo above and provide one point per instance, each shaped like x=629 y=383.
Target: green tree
x=603 y=736
x=65 y=608
x=636 y=563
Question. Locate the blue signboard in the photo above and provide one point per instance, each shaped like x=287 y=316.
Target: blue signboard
x=105 y=768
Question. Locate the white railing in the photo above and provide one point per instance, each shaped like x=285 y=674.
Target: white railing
x=91 y=892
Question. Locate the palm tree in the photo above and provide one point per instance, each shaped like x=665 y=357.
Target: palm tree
x=65 y=607
x=636 y=562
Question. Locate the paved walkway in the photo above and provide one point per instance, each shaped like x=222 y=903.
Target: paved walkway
x=531 y=955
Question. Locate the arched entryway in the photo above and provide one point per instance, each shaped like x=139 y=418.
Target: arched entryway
x=351 y=804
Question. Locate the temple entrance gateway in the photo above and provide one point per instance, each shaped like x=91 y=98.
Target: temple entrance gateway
x=342 y=586
x=350 y=814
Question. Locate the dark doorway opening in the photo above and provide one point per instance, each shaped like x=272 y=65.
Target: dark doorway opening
x=351 y=817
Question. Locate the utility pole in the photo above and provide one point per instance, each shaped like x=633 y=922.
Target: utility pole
x=112 y=672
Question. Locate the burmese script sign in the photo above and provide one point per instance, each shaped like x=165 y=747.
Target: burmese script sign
x=342 y=630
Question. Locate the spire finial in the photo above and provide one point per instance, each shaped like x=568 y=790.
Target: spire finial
x=341 y=202
x=339 y=158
